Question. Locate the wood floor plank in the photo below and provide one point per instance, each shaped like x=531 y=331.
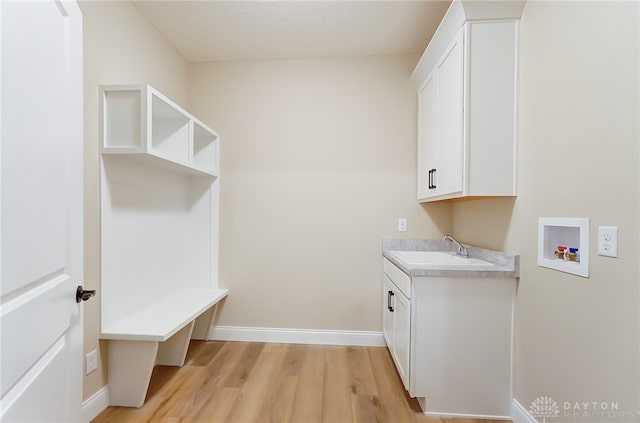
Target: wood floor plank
x=170 y=420
x=362 y=380
x=173 y=396
x=294 y=360
x=113 y=415
x=389 y=386
x=258 y=384
x=226 y=365
x=217 y=407
x=224 y=362
x=336 y=399
x=192 y=396
x=278 y=404
x=200 y=353
x=160 y=378
x=197 y=392
x=307 y=403
x=368 y=409
x=236 y=376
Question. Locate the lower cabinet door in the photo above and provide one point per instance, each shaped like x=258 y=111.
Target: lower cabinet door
x=387 y=313
x=402 y=332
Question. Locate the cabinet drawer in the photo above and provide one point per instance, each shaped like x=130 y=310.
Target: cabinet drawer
x=399 y=278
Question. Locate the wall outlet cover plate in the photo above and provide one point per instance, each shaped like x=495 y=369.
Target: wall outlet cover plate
x=608 y=241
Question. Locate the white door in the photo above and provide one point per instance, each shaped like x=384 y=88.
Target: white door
x=41 y=211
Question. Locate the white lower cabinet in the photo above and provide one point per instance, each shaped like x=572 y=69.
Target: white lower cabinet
x=451 y=340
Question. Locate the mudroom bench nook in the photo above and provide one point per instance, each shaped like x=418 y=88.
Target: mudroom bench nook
x=159 y=203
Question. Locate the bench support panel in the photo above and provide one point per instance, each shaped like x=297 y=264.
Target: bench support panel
x=173 y=351
x=130 y=367
x=203 y=323
x=131 y=361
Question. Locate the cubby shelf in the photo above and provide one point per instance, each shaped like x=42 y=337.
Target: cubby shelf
x=140 y=121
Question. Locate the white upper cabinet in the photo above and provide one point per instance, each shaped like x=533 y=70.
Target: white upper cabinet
x=140 y=121
x=467 y=104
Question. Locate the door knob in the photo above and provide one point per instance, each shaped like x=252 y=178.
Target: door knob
x=84 y=295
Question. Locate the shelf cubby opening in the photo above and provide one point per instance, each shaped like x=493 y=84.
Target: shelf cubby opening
x=122 y=118
x=204 y=148
x=169 y=131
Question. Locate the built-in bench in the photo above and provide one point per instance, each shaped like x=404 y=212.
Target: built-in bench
x=157 y=334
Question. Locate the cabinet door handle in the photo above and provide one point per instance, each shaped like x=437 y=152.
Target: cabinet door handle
x=433 y=179
x=430 y=178
x=391 y=294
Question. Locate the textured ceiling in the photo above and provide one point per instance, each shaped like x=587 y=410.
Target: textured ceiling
x=256 y=30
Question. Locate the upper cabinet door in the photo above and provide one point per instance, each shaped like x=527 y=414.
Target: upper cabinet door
x=448 y=174
x=427 y=135
x=491 y=109
x=440 y=125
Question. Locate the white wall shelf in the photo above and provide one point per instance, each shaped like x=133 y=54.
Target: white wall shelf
x=566 y=232
x=139 y=120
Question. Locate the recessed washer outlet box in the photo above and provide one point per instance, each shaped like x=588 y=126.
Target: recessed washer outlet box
x=571 y=233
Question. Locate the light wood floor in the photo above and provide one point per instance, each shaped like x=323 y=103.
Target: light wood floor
x=256 y=382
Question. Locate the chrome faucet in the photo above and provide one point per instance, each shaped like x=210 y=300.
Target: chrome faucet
x=462 y=250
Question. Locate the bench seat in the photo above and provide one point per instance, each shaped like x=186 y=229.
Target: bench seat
x=160 y=321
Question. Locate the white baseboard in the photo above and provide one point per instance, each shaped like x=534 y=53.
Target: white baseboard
x=448 y=416
x=95 y=404
x=297 y=336
x=519 y=414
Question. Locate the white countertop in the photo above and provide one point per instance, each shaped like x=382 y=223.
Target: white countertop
x=501 y=264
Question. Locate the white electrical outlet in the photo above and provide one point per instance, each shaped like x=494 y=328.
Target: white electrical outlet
x=91 y=361
x=402 y=224
x=608 y=241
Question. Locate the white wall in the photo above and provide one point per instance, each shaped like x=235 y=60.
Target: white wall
x=577 y=339
x=120 y=47
x=318 y=162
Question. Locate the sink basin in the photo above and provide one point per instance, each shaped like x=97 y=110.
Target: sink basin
x=438 y=258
